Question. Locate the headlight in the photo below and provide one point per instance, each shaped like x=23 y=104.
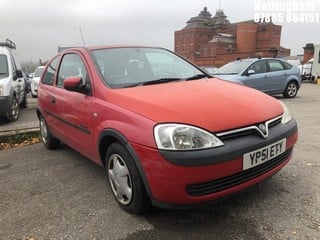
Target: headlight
x=286 y=116
x=1 y=89
x=181 y=137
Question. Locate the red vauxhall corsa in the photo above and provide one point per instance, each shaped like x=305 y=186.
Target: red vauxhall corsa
x=167 y=134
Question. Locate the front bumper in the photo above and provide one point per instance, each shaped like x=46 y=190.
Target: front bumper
x=5 y=103
x=188 y=178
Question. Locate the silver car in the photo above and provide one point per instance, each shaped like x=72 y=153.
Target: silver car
x=270 y=75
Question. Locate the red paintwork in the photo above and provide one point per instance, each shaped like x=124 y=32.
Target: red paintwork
x=211 y=104
x=174 y=179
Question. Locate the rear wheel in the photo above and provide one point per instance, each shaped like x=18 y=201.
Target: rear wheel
x=14 y=111
x=291 y=90
x=48 y=140
x=23 y=104
x=125 y=181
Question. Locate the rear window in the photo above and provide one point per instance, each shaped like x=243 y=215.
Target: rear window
x=4 y=71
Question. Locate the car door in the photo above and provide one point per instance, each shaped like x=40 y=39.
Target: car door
x=277 y=76
x=256 y=76
x=73 y=109
x=18 y=82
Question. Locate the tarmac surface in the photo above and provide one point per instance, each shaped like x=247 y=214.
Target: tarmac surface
x=62 y=195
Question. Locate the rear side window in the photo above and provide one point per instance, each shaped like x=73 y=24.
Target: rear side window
x=4 y=70
x=286 y=65
x=48 y=77
x=275 y=65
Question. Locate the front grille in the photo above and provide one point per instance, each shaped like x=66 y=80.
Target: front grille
x=233 y=180
x=249 y=130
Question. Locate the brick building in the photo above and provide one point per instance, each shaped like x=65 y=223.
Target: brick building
x=214 y=41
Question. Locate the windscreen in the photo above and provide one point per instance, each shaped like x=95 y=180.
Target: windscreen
x=232 y=68
x=125 y=67
x=4 y=71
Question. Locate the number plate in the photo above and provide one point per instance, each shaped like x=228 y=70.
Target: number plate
x=262 y=155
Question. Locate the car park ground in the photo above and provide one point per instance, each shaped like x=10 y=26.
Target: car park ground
x=61 y=195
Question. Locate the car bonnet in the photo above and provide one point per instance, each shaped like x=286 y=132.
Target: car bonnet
x=211 y=104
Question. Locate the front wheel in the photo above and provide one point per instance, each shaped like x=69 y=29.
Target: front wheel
x=291 y=90
x=14 y=111
x=125 y=181
x=48 y=140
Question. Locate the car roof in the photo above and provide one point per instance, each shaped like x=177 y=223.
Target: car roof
x=91 y=48
x=257 y=59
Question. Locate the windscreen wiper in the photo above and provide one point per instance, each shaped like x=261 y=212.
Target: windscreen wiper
x=197 y=76
x=160 y=80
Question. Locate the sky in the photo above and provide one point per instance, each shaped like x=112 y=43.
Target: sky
x=38 y=27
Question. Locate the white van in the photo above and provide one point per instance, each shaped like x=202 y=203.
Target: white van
x=12 y=84
x=316 y=62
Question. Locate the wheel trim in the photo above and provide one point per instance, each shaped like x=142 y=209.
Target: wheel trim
x=43 y=131
x=292 y=89
x=120 y=179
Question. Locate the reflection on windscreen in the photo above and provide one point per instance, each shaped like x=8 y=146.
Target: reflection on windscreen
x=232 y=68
x=122 y=67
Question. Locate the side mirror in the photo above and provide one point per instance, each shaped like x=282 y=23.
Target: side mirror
x=75 y=84
x=17 y=74
x=251 y=71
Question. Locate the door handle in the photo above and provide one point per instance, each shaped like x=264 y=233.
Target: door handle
x=53 y=100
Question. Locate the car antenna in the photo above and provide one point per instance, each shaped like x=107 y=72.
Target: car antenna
x=84 y=43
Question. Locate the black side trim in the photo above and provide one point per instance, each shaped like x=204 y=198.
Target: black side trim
x=233 y=148
x=82 y=128
x=210 y=203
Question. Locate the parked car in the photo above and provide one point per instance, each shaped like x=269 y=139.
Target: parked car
x=35 y=81
x=269 y=75
x=165 y=132
x=209 y=69
x=12 y=84
x=27 y=82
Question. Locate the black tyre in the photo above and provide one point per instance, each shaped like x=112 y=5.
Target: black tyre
x=47 y=139
x=23 y=104
x=125 y=181
x=14 y=111
x=291 y=90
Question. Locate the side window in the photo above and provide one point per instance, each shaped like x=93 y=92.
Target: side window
x=14 y=66
x=258 y=67
x=319 y=57
x=71 y=66
x=286 y=65
x=49 y=74
x=275 y=65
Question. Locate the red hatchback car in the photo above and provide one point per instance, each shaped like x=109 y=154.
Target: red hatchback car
x=167 y=134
